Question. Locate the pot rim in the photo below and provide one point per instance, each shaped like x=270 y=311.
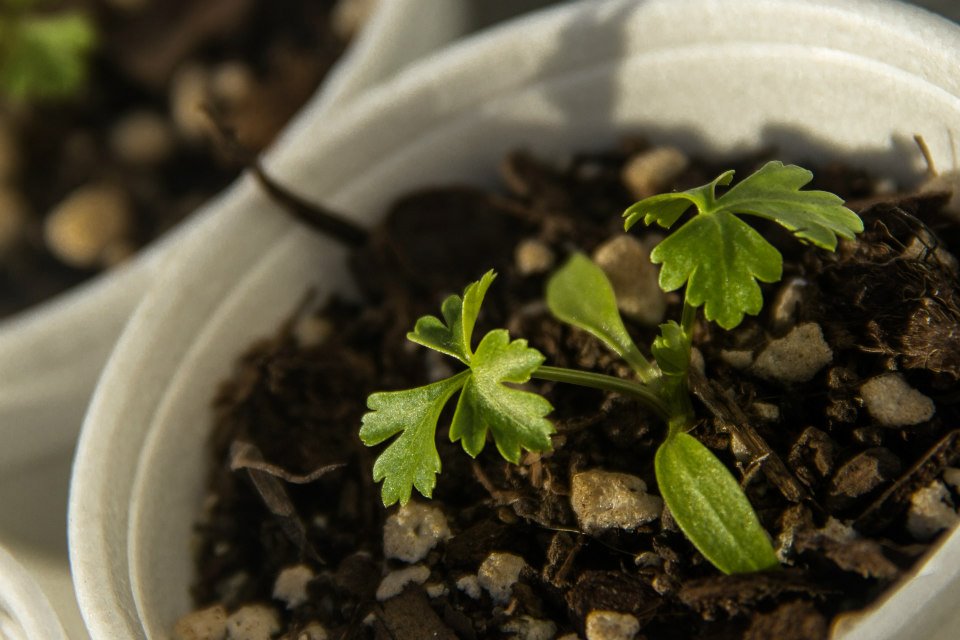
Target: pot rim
x=459 y=64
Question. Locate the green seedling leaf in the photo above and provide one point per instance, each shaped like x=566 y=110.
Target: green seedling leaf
x=580 y=294
x=718 y=256
x=515 y=418
x=453 y=334
x=773 y=192
x=707 y=503
x=671 y=350
x=412 y=459
x=44 y=56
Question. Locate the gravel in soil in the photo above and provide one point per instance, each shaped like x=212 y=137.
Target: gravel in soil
x=796 y=401
x=85 y=183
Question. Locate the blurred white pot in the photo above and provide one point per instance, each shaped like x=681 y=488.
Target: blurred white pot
x=25 y=613
x=850 y=79
x=52 y=355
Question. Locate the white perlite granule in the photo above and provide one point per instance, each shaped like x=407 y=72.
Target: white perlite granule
x=498 y=573
x=469 y=585
x=290 y=586
x=931 y=511
x=529 y=628
x=313 y=631
x=626 y=261
x=394 y=582
x=205 y=624
x=609 y=500
x=253 y=622
x=611 y=625
x=796 y=357
x=415 y=529
x=894 y=403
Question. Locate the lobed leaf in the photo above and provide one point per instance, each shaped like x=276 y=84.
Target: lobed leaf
x=412 y=459
x=774 y=192
x=515 y=418
x=720 y=258
x=666 y=208
x=580 y=294
x=670 y=350
x=453 y=334
x=707 y=503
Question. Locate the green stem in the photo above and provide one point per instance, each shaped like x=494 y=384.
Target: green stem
x=647 y=371
x=678 y=390
x=647 y=396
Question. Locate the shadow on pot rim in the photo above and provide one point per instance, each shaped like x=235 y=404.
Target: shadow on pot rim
x=792 y=73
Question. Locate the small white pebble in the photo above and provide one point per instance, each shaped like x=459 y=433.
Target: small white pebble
x=436 y=590
x=737 y=358
x=415 y=529
x=313 y=631
x=79 y=230
x=532 y=257
x=498 y=573
x=142 y=138
x=312 y=330
x=530 y=628
x=766 y=411
x=951 y=475
x=783 y=310
x=650 y=172
x=205 y=624
x=931 y=511
x=394 y=582
x=626 y=261
x=469 y=585
x=291 y=585
x=611 y=625
x=648 y=559
x=609 y=500
x=253 y=622
x=189 y=90
x=796 y=357
x=894 y=403
x=232 y=82
x=697 y=363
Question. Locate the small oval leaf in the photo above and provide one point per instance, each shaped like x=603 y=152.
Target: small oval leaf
x=707 y=503
x=580 y=294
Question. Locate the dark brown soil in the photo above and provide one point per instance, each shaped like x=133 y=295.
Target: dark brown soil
x=831 y=484
x=138 y=132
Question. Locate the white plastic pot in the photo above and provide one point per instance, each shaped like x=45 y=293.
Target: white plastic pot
x=820 y=79
x=25 y=613
x=52 y=354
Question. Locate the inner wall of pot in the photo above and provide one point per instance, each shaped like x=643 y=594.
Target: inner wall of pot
x=828 y=105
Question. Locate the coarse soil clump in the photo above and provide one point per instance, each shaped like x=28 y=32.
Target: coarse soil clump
x=851 y=496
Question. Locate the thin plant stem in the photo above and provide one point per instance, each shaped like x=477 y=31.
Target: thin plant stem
x=647 y=396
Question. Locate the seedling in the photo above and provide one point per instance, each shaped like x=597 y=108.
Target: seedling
x=42 y=55
x=717 y=256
